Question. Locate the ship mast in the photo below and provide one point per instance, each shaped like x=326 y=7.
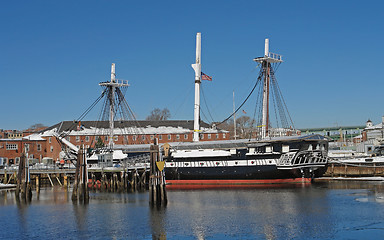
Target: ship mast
x=266 y=62
x=112 y=86
x=197 y=67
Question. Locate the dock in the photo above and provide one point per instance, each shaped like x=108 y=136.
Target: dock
x=134 y=177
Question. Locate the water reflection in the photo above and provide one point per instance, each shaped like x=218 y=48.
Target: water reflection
x=317 y=211
x=22 y=212
x=266 y=213
x=81 y=219
x=365 y=191
x=157 y=216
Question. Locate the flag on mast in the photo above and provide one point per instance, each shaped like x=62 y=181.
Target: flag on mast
x=205 y=77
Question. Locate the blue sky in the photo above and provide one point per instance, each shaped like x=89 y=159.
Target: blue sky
x=53 y=54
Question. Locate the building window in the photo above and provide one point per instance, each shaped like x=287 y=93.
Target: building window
x=96 y=138
x=51 y=148
x=160 y=137
x=217 y=135
x=39 y=147
x=11 y=146
x=125 y=138
x=223 y=135
x=202 y=136
x=87 y=138
x=77 y=138
x=17 y=160
x=50 y=139
x=177 y=136
x=134 y=137
x=106 y=138
x=68 y=138
x=209 y=136
x=169 y=137
x=152 y=137
x=185 y=136
x=27 y=147
x=116 y=138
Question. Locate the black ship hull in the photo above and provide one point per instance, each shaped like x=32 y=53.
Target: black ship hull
x=249 y=163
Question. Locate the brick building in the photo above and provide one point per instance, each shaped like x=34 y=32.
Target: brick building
x=45 y=145
x=37 y=147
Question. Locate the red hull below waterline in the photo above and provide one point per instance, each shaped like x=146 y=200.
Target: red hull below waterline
x=195 y=184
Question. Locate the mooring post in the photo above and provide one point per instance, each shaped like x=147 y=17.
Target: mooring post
x=160 y=164
x=156 y=183
x=21 y=179
x=151 y=176
x=85 y=178
x=76 y=182
x=37 y=178
x=65 y=181
x=5 y=179
x=102 y=186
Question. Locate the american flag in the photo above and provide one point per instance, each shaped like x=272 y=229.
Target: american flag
x=205 y=77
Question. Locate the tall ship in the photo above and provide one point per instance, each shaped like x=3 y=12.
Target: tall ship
x=273 y=155
x=269 y=155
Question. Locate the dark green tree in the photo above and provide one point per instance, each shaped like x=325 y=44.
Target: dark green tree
x=99 y=143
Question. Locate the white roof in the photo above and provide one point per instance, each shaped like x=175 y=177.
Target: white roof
x=377 y=126
x=117 y=154
x=34 y=137
x=129 y=130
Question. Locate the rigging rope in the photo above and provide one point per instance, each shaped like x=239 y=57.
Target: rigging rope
x=206 y=105
x=258 y=80
x=282 y=98
x=63 y=134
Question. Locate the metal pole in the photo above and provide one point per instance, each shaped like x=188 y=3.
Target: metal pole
x=234 y=116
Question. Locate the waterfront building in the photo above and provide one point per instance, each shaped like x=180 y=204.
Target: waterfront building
x=372 y=132
x=44 y=144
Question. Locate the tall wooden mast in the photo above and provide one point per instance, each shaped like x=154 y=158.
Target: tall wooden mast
x=266 y=69
x=197 y=67
x=112 y=85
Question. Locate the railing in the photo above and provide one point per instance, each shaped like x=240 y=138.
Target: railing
x=275 y=56
x=302 y=159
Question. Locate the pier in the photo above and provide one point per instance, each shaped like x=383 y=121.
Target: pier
x=355 y=170
x=101 y=179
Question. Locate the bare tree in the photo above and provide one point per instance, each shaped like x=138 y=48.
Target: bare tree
x=244 y=125
x=159 y=115
x=228 y=126
x=37 y=126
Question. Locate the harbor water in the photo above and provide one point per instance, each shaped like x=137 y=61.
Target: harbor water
x=334 y=210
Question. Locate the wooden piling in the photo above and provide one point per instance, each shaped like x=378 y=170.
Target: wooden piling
x=37 y=179
x=5 y=180
x=157 y=192
x=23 y=188
x=58 y=180
x=80 y=188
x=50 y=180
x=65 y=181
x=93 y=182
